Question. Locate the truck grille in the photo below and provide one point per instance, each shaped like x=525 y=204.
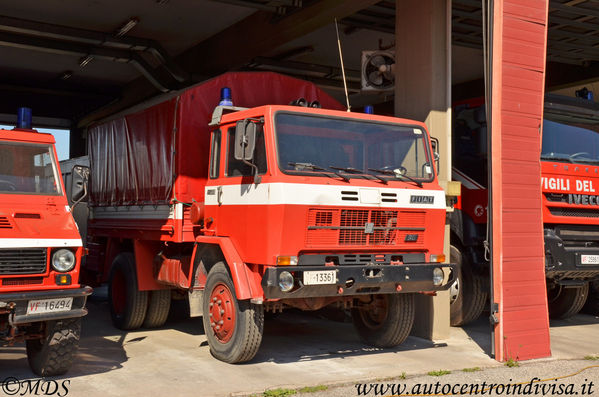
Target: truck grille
x=4 y=223
x=351 y=227
x=23 y=261
x=580 y=212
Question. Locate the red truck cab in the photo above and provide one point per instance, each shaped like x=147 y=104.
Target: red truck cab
x=41 y=299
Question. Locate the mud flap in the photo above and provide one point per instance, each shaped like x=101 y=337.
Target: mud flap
x=196 y=299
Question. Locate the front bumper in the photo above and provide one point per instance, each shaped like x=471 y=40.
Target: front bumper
x=16 y=304
x=569 y=260
x=359 y=280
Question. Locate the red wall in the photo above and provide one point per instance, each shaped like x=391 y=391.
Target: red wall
x=519 y=52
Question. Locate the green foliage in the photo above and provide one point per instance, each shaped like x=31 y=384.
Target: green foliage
x=473 y=369
x=313 y=389
x=591 y=358
x=440 y=372
x=512 y=363
x=279 y=393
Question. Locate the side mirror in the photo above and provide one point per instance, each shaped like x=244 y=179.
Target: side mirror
x=245 y=140
x=435 y=145
x=79 y=184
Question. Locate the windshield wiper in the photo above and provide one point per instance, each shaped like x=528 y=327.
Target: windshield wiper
x=397 y=175
x=314 y=167
x=557 y=158
x=357 y=171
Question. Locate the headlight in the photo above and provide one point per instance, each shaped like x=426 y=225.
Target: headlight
x=438 y=276
x=286 y=281
x=63 y=260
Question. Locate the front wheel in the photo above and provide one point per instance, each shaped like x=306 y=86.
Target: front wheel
x=566 y=302
x=467 y=294
x=53 y=354
x=386 y=321
x=233 y=328
x=592 y=305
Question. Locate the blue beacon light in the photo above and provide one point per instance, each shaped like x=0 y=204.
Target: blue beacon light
x=369 y=109
x=225 y=97
x=24 y=118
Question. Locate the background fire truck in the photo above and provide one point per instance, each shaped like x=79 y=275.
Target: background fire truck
x=41 y=301
x=247 y=210
x=570 y=186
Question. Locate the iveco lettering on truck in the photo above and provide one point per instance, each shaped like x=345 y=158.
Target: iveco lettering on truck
x=261 y=208
x=41 y=301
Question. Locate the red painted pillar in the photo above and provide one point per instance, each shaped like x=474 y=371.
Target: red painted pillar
x=518 y=77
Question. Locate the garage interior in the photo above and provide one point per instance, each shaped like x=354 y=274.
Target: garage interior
x=78 y=65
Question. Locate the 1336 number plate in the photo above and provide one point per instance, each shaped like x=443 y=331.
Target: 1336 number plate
x=319 y=277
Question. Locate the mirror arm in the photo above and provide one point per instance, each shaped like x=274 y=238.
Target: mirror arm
x=257 y=178
x=81 y=198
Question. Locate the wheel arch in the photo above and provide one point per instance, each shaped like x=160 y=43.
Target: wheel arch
x=211 y=250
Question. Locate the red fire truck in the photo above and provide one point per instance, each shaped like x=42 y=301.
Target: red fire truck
x=247 y=210
x=41 y=300
x=570 y=186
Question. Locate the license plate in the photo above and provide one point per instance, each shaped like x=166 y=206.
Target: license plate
x=319 y=277
x=49 y=305
x=589 y=259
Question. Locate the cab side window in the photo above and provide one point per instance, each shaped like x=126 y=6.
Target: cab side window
x=238 y=167
x=215 y=155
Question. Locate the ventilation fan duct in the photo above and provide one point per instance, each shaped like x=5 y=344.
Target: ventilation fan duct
x=377 y=70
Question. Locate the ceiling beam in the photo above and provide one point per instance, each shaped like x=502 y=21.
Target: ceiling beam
x=237 y=44
x=561 y=75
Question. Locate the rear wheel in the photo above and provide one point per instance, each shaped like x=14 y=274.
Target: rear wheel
x=467 y=295
x=592 y=305
x=233 y=328
x=565 y=302
x=159 y=305
x=128 y=305
x=386 y=321
x=53 y=354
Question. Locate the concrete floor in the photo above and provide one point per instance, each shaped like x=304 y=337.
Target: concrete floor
x=297 y=350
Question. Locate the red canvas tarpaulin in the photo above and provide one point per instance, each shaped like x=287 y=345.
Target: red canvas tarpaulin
x=161 y=153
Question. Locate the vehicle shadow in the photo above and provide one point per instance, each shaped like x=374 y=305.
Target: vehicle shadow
x=479 y=331
x=99 y=351
x=296 y=336
x=579 y=319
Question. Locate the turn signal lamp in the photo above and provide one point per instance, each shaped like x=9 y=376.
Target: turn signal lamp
x=63 y=279
x=286 y=260
x=438 y=258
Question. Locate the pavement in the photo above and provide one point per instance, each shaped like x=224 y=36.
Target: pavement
x=298 y=350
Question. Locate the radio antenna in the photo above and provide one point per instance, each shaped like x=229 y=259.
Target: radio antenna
x=342 y=67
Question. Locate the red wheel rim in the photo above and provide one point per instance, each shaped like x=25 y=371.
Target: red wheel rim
x=375 y=314
x=222 y=312
x=118 y=292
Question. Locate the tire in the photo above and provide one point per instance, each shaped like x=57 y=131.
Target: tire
x=592 y=304
x=387 y=322
x=468 y=294
x=53 y=355
x=159 y=305
x=128 y=305
x=238 y=335
x=566 y=302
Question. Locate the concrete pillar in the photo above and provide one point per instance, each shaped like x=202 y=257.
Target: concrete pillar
x=423 y=92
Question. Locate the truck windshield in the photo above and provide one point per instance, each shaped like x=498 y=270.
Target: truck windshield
x=28 y=169
x=570 y=139
x=319 y=146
